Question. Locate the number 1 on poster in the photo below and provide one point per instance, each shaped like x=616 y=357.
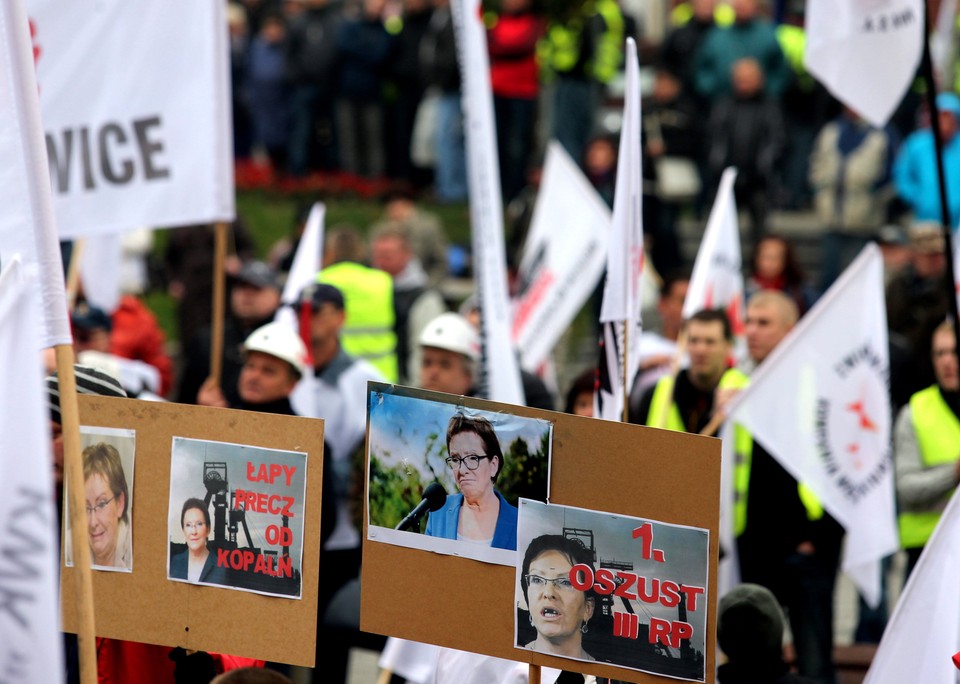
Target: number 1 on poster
x=645 y=533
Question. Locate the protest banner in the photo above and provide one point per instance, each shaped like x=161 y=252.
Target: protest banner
x=923 y=634
x=584 y=579
x=563 y=258
x=251 y=470
x=596 y=465
x=136 y=112
x=29 y=625
x=620 y=311
x=412 y=438
x=832 y=432
x=866 y=52
x=499 y=373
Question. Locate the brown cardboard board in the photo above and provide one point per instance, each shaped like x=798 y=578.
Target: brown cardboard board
x=600 y=465
x=144 y=605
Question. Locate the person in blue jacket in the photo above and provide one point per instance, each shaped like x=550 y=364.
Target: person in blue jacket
x=478 y=514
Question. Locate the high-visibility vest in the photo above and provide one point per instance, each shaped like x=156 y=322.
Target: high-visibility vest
x=723 y=14
x=663 y=392
x=560 y=48
x=938 y=436
x=368 y=329
x=743 y=459
x=793 y=42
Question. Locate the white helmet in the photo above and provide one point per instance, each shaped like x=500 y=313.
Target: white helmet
x=452 y=332
x=279 y=340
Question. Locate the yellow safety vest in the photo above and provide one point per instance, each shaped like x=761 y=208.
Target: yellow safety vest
x=368 y=329
x=723 y=14
x=743 y=459
x=938 y=436
x=663 y=392
x=560 y=48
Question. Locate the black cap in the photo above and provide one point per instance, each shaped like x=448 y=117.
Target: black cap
x=319 y=294
x=90 y=318
x=258 y=274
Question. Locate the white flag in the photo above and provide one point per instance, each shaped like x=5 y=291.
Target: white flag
x=27 y=223
x=303 y=272
x=500 y=373
x=622 y=298
x=136 y=109
x=924 y=631
x=563 y=258
x=100 y=270
x=865 y=52
x=717 y=279
x=830 y=428
x=29 y=562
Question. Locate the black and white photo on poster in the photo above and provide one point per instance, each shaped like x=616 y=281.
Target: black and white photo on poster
x=446 y=478
x=609 y=588
x=235 y=516
x=108 y=456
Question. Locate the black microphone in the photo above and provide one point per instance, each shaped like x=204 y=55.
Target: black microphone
x=434 y=497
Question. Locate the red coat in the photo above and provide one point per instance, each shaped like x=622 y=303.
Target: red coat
x=512 y=43
x=121 y=662
x=136 y=335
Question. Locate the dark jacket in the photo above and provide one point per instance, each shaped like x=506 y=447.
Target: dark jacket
x=312 y=46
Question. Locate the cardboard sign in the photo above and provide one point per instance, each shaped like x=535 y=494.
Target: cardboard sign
x=599 y=587
x=628 y=470
x=205 y=617
x=433 y=463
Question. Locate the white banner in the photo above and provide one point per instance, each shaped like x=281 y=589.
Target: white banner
x=500 y=373
x=563 y=258
x=717 y=279
x=27 y=224
x=29 y=563
x=831 y=430
x=303 y=272
x=924 y=630
x=136 y=108
x=865 y=52
x=622 y=297
x=100 y=269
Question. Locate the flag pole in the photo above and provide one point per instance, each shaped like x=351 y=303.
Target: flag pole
x=73 y=479
x=216 y=337
x=73 y=272
x=534 y=674
x=626 y=387
x=949 y=277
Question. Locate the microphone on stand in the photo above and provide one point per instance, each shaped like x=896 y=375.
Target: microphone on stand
x=434 y=496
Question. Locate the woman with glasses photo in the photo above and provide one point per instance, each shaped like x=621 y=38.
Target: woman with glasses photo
x=478 y=514
x=108 y=504
x=196 y=564
x=558 y=611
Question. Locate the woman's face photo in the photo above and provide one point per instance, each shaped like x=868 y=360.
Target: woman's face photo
x=104 y=510
x=472 y=483
x=195 y=529
x=557 y=611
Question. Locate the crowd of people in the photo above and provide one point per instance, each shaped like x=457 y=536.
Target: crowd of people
x=322 y=85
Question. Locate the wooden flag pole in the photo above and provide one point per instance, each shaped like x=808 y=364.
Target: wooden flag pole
x=219 y=277
x=534 y=674
x=73 y=272
x=77 y=506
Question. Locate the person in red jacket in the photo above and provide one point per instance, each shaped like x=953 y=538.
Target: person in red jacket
x=512 y=43
x=137 y=335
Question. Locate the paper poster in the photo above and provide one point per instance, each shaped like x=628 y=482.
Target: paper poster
x=108 y=459
x=446 y=478
x=235 y=516
x=600 y=587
